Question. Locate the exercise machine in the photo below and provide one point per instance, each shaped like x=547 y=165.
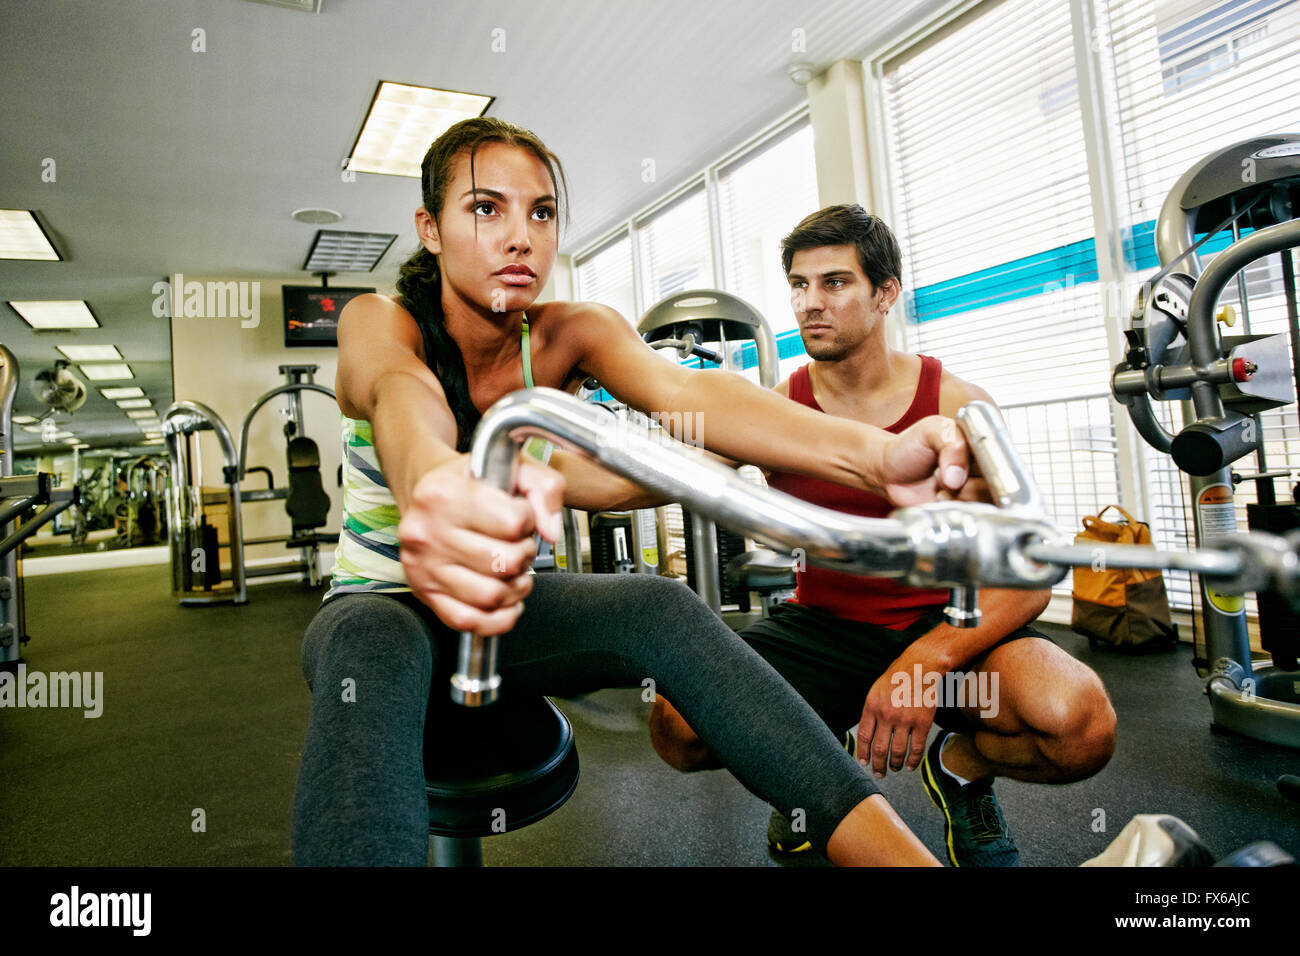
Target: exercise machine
x=19 y=495
x=198 y=571
x=960 y=546
x=1176 y=353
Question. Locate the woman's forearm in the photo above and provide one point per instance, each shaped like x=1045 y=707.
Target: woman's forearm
x=747 y=423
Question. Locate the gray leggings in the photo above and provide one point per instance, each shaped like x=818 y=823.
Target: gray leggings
x=360 y=798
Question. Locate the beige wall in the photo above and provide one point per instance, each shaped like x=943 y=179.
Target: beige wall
x=227 y=367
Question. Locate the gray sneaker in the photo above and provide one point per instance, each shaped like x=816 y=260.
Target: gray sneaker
x=975 y=831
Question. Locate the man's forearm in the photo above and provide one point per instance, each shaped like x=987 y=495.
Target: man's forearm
x=1003 y=612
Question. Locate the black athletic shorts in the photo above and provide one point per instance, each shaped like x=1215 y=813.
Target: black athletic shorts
x=832 y=662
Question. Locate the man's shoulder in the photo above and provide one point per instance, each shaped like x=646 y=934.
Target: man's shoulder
x=954 y=392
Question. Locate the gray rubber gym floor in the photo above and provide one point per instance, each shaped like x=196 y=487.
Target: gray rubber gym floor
x=205 y=709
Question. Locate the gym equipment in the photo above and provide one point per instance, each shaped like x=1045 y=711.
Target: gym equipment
x=685 y=321
x=493 y=770
x=195 y=544
x=1175 y=353
x=18 y=496
x=961 y=546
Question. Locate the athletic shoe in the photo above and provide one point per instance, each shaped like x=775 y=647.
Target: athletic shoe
x=975 y=831
x=781 y=838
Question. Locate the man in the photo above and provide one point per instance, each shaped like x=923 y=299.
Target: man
x=855 y=646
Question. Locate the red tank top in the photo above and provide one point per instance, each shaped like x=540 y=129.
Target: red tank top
x=879 y=601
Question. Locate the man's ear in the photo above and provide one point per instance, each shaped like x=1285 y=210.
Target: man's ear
x=889 y=292
x=426 y=227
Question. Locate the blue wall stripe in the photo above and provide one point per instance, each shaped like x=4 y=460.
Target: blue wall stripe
x=1070 y=264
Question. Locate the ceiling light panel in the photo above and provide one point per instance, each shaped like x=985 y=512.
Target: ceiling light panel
x=56 y=314
x=403 y=121
x=106 y=373
x=21 y=237
x=90 y=353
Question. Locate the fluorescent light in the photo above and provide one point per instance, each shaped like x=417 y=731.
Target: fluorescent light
x=72 y=441
x=106 y=373
x=33 y=429
x=56 y=314
x=122 y=391
x=153 y=434
x=63 y=433
x=334 y=250
x=21 y=237
x=90 y=353
x=302 y=6
x=135 y=403
x=23 y=419
x=152 y=441
x=142 y=413
x=403 y=121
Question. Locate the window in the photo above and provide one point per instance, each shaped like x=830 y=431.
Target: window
x=761 y=198
x=1191 y=77
x=606 y=277
x=675 y=250
x=992 y=206
x=760 y=194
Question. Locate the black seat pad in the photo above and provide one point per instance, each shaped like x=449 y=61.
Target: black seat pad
x=513 y=755
x=762 y=570
x=307 y=504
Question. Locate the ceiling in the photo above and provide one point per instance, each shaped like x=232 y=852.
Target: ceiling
x=169 y=160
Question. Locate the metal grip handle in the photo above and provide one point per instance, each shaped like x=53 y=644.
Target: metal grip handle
x=476 y=682
x=990 y=443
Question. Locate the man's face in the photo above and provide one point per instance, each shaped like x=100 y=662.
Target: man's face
x=837 y=306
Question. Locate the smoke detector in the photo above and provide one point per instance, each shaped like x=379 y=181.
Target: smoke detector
x=317 y=217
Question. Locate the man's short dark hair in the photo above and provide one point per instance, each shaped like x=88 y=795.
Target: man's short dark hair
x=849 y=225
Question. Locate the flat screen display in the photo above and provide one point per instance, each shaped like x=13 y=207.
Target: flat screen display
x=311 y=314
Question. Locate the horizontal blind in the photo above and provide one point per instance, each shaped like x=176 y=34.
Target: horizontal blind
x=761 y=198
x=675 y=250
x=605 y=276
x=992 y=204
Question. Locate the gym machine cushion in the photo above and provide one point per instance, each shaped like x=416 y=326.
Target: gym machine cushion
x=307 y=504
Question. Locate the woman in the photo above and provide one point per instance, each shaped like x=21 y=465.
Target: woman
x=427 y=551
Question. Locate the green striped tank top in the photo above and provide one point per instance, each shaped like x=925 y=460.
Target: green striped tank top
x=367 y=557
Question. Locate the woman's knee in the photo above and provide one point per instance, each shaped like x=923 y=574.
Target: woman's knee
x=365 y=633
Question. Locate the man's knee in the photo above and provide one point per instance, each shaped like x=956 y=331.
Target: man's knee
x=1063 y=702
x=1091 y=730
x=675 y=742
x=1080 y=733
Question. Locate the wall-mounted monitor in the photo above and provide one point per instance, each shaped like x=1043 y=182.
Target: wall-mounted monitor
x=311 y=314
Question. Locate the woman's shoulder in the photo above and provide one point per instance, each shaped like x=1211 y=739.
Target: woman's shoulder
x=371 y=302
x=585 y=314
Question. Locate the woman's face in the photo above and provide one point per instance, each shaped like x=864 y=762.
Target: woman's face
x=496 y=238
